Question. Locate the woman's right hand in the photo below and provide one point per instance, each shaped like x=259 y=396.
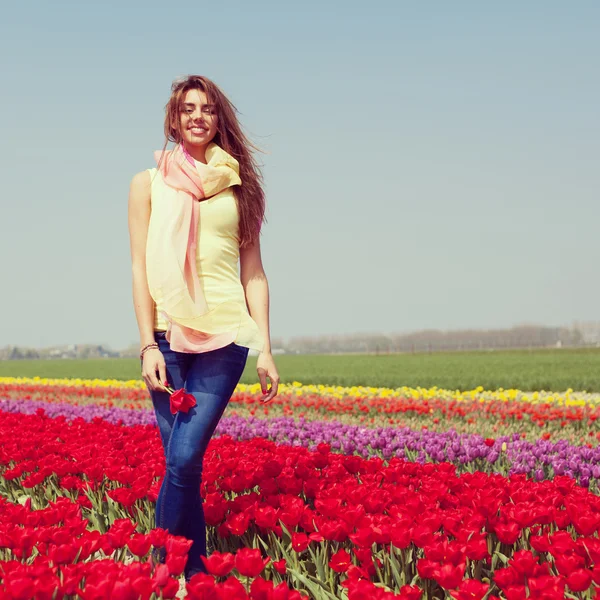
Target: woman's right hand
x=153 y=363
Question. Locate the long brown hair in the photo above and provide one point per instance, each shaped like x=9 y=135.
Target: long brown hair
x=250 y=196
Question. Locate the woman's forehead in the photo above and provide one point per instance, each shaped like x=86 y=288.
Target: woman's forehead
x=195 y=96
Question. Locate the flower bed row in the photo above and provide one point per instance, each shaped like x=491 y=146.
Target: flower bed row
x=577 y=424
x=135 y=389
x=542 y=459
x=337 y=521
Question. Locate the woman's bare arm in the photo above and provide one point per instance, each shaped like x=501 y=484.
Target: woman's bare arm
x=139 y=218
x=256 y=288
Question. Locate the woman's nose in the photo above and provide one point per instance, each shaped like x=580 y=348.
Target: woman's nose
x=197 y=116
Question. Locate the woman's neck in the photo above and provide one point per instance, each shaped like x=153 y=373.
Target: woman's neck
x=197 y=152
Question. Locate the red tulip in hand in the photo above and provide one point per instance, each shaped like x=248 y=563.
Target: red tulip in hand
x=180 y=399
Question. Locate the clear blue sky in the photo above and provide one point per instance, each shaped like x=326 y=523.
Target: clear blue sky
x=429 y=165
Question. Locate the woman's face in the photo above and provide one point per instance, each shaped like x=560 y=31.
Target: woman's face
x=198 y=119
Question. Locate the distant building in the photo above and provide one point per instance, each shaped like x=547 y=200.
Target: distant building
x=590 y=331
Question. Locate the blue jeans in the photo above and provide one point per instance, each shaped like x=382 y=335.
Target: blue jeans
x=211 y=377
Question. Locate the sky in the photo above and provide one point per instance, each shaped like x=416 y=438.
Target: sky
x=427 y=165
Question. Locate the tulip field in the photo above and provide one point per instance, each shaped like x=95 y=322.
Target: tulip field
x=327 y=492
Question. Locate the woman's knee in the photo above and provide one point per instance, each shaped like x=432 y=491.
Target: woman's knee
x=184 y=465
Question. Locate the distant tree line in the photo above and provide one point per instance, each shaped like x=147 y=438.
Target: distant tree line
x=80 y=351
x=435 y=341
x=525 y=336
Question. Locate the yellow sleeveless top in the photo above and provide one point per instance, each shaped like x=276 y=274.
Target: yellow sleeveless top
x=217 y=259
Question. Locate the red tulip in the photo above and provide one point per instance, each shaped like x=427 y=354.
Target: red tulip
x=178 y=545
x=524 y=562
x=299 y=541
x=170 y=589
x=100 y=591
x=219 y=564
x=547 y=586
x=476 y=548
x=540 y=543
x=124 y=590
x=449 y=576
x=161 y=575
x=139 y=544
x=201 y=586
x=232 y=589
x=272 y=468
x=426 y=568
x=579 y=580
x=63 y=554
x=410 y=592
x=515 y=592
x=340 y=561
x=470 y=589
x=238 y=524
x=507 y=533
x=280 y=566
x=266 y=517
x=292 y=510
x=249 y=562
x=20 y=588
x=568 y=563
x=176 y=563
x=181 y=401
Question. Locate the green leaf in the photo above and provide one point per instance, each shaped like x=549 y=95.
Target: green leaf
x=317 y=589
x=394 y=563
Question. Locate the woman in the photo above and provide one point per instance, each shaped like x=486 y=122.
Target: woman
x=190 y=220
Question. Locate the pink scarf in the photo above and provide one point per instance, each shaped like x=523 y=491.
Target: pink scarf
x=171 y=248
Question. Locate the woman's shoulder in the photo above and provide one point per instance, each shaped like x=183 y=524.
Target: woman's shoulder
x=140 y=181
x=143 y=178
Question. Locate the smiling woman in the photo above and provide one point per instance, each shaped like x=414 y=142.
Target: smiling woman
x=192 y=218
x=198 y=120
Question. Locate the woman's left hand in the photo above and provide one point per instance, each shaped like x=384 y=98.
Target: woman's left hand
x=265 y=367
